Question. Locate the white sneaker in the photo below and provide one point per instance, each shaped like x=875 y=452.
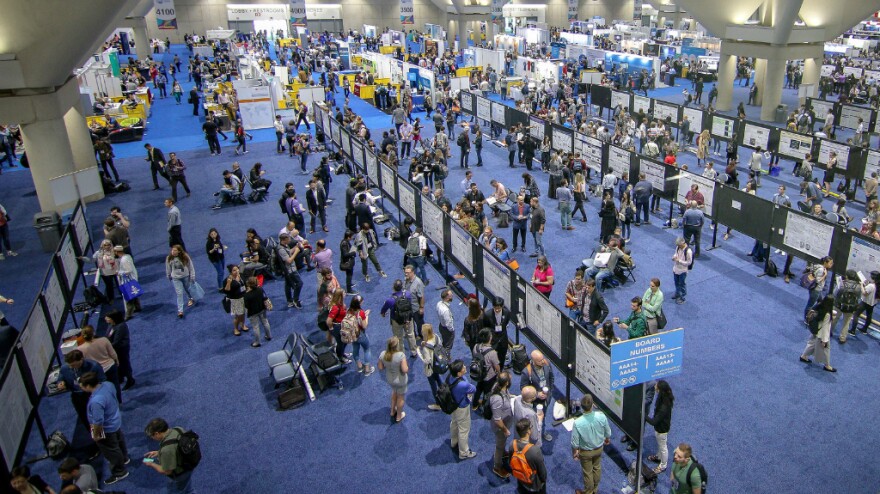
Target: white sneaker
x=11 y=253
x=2 y=257
x=434 y=406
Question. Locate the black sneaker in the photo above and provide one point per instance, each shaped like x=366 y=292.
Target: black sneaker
x=116 y=478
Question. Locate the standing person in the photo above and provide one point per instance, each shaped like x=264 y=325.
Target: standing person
x=105 y=259
x=846 y=301
x=176 y=91
x=502 y=422
x=460 y=420
x=241 y=138
x=168 y=460
x=681 y=264
x=176 y=175
x=347 y=256
x=565 y=197
x=105 y=156
x=278 y=124
x=866 y=304
x=77 y=365
x=401 y=305
x=366 y=243
x=652 y=304
x=661 y=421
x=194 y=100
x=589 y=435
x=416 y=253
x=157 y=164
x=635 y=324
x=520 y=215
x=413 y=285
x=292 y=279
x=317 y=202
x=180 y=270
x=523 y=451
x=497 y=319
x=125 y=272
x=593 y=308
x=464 y=145
x=335 y=318
x=524 y=407
x=362 y=342
x=101 y=351
x=105 y=421
x=173 y=224
x=537 y=219
x=210 y=128
x=580 y=195
x=216 y=255
x=120 y=338
x=489 y=363
x=394 y=363
x=819 y=273
x=818 y=345
x=539 y=375
x=256 y=303
x=447 y=320
x=686 y=476
x=4 y=234
x=478 y=145
x=756 y=163
x=542 y=278
x=234 y=289
x=473 y=322
x=693 y=225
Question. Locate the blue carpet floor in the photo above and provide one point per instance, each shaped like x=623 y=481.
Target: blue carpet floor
x=758 y=419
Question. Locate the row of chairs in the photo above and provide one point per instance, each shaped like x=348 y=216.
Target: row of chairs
x=257 y=194
x=325 y=367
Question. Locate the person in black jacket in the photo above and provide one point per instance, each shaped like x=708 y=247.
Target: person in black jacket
x=539 y=375
x=120 y=338
x=157 y=164
x=661 y=421
x=593 y=308
x=362 y=211
x=608 y=213
x=347 y=255
x=317 y=202
x=497 y=319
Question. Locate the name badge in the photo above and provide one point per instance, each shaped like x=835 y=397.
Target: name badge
x=498 y=328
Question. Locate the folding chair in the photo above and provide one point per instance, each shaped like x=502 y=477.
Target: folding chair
x=257 y=193
x=325 y=366
x=282 y=356
x=288 y=371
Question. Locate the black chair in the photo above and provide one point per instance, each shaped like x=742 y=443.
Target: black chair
x=325 y=366
x=287 y=372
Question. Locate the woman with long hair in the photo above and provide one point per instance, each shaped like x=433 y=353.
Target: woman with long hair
x=818 y=343
x=346 y=259
x=628 y=208
x=125 y=272
x=256 y=303
x=542 y=278
x=661 y=421
x=180 y=270
x=608 y=213
x=101 y=351
x=472 y=323
x=106 y=260
x=702 y=147
x=393 y=362
x=120 y=338
x=216 y=254
x=606 y=335
x=362 y=342
x=502 y=421
x=580 y=195
x=234 y=289
x=431 y=343
x=334 y=322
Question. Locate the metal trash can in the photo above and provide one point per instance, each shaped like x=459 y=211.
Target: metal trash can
x=781 y=113
x=48 y=226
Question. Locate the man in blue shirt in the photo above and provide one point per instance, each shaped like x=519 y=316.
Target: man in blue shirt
x=106 y=425
x=693 y=225
x=68 y=379
x=460 y=423
x=589 y=435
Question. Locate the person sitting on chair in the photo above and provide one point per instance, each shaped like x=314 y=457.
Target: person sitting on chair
x=605 y=271
x=231 y=189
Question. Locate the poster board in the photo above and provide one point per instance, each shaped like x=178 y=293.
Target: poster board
x=590 y=150
x=498 y=113
x=821 y=108
x=357 y=154
x=872 y=163
x=496 y=277
x=562 y=139
x=432 y=222
x=335 y=134
x=537 y=128
x=794 y=145
x=56 y=301
x=17 y=409
x=864 y=255
x=826 y=146
x=722 y=127
x=255 y=106
x=619 y=161
x=754 y=136
x=38 y=344
x=642 y=104
x=544 y=320
x=619 y=98
x=461 y=246
x=372 y=168
x=388 y=180
x=809 y=236
x=467 y=102
x=706 y=187
x=601 y=96
x=746 y=213
x=406 y=197
x=67 y=256
x=695 y=115
x=593 y=369
x=664 y=110
x=655 y=172
x=346 y=143
x=484 y=109
x=81 y=230
x=850 y=114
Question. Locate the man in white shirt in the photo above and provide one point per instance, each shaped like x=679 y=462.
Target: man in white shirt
x=710 y=172
x=756 y=163
x=279 y=134
x=447 y=321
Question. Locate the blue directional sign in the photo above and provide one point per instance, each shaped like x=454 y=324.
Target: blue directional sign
x=647 y=358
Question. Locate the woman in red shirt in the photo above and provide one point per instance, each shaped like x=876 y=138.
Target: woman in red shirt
x=334 y=321
x=542 y=279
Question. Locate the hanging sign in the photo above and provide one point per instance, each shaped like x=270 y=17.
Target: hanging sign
x=407 y=12
x=298 y=12
x=572 y=10
x=498 y=11
x=166 y=16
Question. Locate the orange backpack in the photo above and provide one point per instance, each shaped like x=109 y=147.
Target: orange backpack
x=519 y=466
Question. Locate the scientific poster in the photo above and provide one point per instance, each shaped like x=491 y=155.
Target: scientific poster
x=695 y=115
x=807 y=235
x=642 y=103
x=68 y=261
x=406 y=197
x=620 y=98
x=16 y=410
x=706 y=187
x=37 y=343
x=462 y=247
x=82 y=230
x=389 y=178
x=755 y=136
x=346 y=144
x=864 y=256
x=496 y=277
x=793 y=145
x=849 y=117
x=536 y=128
x=335 y=135
x=872 y=163
x=722 y=127
x=372 y=168
x=820 y=108
x=55 y=301
x=357 y=153
x=484 y=109
x=498 y=112
x=618 y=160
x=663 y=110
x=545 y=320
x=562 y=139
x=654 y=173
x=590 y=149
x=825 y=149
x=467 y=102
x=593 y=369
x=432 y=222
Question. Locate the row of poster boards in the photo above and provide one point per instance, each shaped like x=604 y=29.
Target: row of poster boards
x=547 y=327
x=27 y=368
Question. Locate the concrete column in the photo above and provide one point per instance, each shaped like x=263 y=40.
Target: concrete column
x=726 y=74
x=760 y=76
x=141 y=39
x=812 y=68
x=462 y=31
x=80 y=141
x=775 y=76
x=50 y=155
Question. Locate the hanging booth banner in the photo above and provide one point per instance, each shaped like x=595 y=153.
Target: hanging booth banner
x=572 y=10
x=497 y=11
x=637 y=10
x=298 y=12
x=166 y=16
x=407 y=13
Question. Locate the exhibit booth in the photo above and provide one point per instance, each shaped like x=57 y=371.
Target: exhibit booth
x=484 y=57
x=513 y=44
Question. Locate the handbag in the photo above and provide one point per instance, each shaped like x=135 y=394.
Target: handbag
x=808 y=280
x=661 y=319
x=514 y=264
x=196 y=291
x=227 y=305
x=130 y=289
x=268 y=304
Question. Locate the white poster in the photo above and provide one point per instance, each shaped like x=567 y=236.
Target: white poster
x=643 y=104
x=536 y=128
x=590 y=150
x=793 y=145
x=706 y=187
x=826 y=70
x=562 y=139
x=346 y=143
x=462 y=247
x=388 y=179
x=166 y=16
x=335 y=134
x=808 y=235
x=406 y=197
x=654 y=173
x=663 y=110
x=484 y=111
x=68 y=261
x=695 y=116
x=81 y=228
x=467 y=102
x=496 y=277
x=620 y=98
x=298 y=13
x=255 y=106
x=432 y=222
x=545 y=320
x=723 y=127
x=850 y=115
x=498 y=111
x=55 y=302
x=372 y=168
x=872 y=164
x=357 y=152
x=853 y=71
x=825 y=149
x=618 y=161
x=755 y=136
x=864 y=256
x=593 y=368
x=407 y=12
x=16 y=410
x=36 y=341
x=820 y=108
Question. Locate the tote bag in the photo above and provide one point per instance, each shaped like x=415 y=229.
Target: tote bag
x=130 y=289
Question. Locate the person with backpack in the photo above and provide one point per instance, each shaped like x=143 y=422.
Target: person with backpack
x=866 y=304
x=435 y=359
x=510 y=143
x=176 y=457
x=813 y=280
x=457 y=388
x=464 y=144
x=484 y=366
x=527 y=461
x=818 y=319
x=366 y=243
x=589 y=435
x=500 y=412
x=400 y=305
x=846 y=301
x=688 y=475
x=682 y=261
x=416 y=248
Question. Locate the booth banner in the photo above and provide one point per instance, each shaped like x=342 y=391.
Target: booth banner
x=166 y=16
x=407 y=12
x=497 y=11
x=297 y=12
x=573 y=10
x=637 y=10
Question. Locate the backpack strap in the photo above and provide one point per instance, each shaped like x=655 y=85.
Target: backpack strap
x=694 y=465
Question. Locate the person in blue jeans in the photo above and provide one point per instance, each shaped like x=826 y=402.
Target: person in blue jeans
x=216 y=254
x=460 y=419
x=600 y=274
x=166 y=460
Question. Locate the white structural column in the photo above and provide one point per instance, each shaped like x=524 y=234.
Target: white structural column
x=726 y=75
x=141 y=39
x=773 y=81
x=462 y=22
x=760 y=72
x=812 y=67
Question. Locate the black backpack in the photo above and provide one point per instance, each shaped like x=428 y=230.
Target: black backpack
x=477 y=368
x=402 y=311
x=704 y=477
x=813 y=321
x=486 y=408
x=440 y=364
x=412 y=247
x=770 y=269
x=189 y=452
x=847 y=297
x=462 y=139
x=444 y=397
